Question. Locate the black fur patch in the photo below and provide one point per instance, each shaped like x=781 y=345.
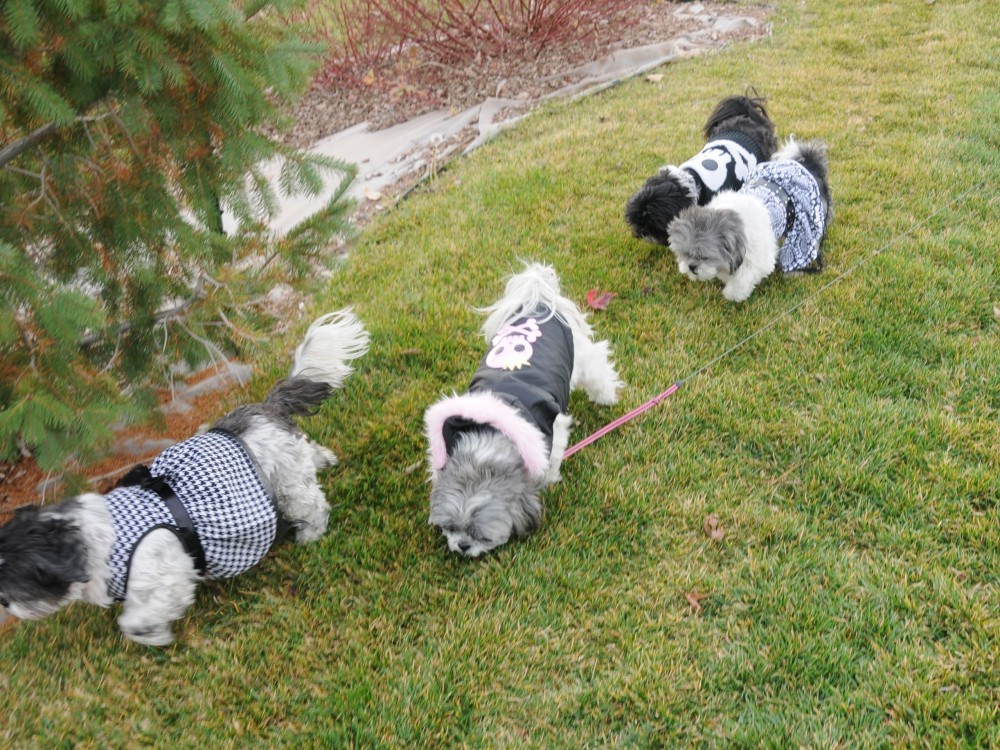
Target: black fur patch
x=747 y=115
x=650 y=211
x=41 y=556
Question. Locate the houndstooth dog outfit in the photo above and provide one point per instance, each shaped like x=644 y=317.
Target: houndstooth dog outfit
x=219 y=485
x=723 y=164
x=798 y=215
x=521 y=386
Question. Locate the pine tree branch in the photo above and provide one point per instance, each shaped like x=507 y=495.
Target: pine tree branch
x=27 y=340
x=15 y=149
x=12 y=151
x=171 y=313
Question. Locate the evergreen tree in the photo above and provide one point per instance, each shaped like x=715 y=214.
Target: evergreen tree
x=125 y=127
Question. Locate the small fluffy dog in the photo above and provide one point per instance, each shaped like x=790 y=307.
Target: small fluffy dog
x=739 y=135
x=493 y=448
x=209 y=507
x=735 y=238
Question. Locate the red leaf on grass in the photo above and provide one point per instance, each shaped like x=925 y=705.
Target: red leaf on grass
x=694 y=599
x=713 y=527
x=598 y=300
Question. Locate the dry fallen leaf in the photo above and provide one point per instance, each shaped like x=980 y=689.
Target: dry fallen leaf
x=599 y=300
x=694 y=599
x=713 y=528
x=373 y=195
x=655 y=77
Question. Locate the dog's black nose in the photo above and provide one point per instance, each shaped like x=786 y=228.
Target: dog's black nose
x=464 y=546
x=4 y=603
x=693 y=267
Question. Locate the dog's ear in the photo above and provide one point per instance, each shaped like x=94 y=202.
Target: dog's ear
x=530 y=517
x=735 y=248
x=731 y=237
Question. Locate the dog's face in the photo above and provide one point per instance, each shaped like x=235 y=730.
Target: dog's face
x=42 y=560
x=472 y=524
x=708 y=243
x=483 y=496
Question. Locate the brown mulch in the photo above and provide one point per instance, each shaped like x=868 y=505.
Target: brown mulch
x=418 y=84
x=397 y=94
x=20 y=481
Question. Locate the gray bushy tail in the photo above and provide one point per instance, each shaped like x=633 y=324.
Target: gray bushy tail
x=321 y=364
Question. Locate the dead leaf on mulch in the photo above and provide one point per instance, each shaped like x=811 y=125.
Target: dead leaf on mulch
x=694 y=599
x=598 y=300
x=714 y=528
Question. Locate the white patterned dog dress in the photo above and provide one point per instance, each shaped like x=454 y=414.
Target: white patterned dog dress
x=797 y=211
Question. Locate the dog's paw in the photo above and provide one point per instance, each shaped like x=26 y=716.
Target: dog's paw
x=323 y=457
x=736 y=292
x=149 y=635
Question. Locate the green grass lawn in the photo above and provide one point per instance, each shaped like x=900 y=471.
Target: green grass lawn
x=851 y=453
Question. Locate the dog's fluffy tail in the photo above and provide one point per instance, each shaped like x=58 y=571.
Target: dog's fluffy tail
x=331 y=342
x=321 y=363
x=810 y=154
x=536 y=285
x=813 y=155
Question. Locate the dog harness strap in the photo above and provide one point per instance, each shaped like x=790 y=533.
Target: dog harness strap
x=140 y=476
x=186 y=531
x=782 y=195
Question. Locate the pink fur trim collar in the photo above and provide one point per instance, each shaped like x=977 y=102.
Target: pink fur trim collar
x=485 y=408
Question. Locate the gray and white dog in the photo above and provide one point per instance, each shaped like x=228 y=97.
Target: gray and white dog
x=778 y=219
x=493 y=448
x=209 y=507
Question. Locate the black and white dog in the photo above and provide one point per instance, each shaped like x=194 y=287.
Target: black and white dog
x=493 y=448
x=209 y=507
x=739 y=135
x=777 y=220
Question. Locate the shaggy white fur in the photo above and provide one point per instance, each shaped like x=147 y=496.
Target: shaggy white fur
x=761 y=250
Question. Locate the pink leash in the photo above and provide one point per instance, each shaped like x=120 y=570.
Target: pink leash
x=622 y=420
